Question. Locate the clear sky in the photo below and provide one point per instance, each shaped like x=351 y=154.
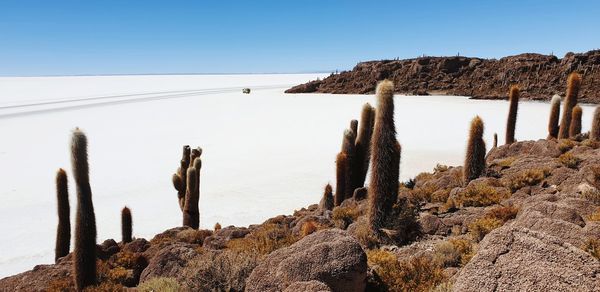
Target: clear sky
x=59 y=37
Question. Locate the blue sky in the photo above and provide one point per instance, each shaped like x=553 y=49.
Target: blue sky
x=127 y=36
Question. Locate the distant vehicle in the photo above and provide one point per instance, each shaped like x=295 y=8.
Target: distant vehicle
x=246 y=90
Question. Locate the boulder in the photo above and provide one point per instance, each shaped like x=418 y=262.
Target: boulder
x=518 y=259
x=330 y=256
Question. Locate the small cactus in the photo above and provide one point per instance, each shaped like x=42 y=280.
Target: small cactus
x=495 y=140
x=573 y=86
x=575 y=126
x=126 y=225
x=326 y=202
x=595 y=131
x=554 y=116
x=475 y=156
x=191 y=216
x=385 y=159
x=354 y=126
x=217 y=227
x=63 y=231
x=84 y=253
x=511 y=121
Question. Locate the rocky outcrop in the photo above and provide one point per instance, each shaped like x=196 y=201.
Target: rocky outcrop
x=520 y=259
x=539 y=76
x=329 y=256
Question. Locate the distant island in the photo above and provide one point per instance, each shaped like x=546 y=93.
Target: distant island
x=538 y=76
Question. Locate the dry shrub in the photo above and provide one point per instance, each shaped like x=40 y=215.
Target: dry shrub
x=105 y=287
x=479 y=195
x=161 y=284
x=414 y=274
x=364 y=234
x=529 y=177
x=455 y=252
x=423 y=177
x=592 y=195
x=493 y=219
x=593 y=247
x=224 y=270
x=439 y=168
x=440 y=196
x=310 y=227
x=569 y=160
x=595 y=216
x=61 y=285
x=264 y=239
x=591 y=143
x=344 y=216
x=506 y=162
x=423 y=193
x=194 y=236
x=565 y=145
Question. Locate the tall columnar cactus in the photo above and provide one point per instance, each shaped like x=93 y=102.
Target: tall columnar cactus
x=575 y=127
x=554 y=116
x=63 y=231
x=126 y=225
x=385 y=159
x=84 y=253
x=511 y=122
x=475 y=156
x=340 y=178
x=348 y=148
x=188 y=188
x=362 y=147
x=191 y=214
x=595 y=131
x=573 y=86
x=326 y=202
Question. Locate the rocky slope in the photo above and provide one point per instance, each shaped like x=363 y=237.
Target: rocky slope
x=539 y=76
x=532 y=223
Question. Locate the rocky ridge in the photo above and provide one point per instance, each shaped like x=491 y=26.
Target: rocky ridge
x=539 y=76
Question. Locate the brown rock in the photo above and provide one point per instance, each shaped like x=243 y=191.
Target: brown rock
x=518 y=259
x=307 y=286
x=329 y=256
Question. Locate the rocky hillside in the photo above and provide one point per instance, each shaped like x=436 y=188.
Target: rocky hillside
x=539 y=76
x=532 y=223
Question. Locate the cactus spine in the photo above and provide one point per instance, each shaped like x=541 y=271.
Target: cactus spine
x=126 y=225
x=363 y=147
x=63 y=231
x=511 y=122
x=595 y=131
x=554 y=116
x=575 y=127
x=385 y=159
x=475 y=156
x=573 y=85
x=85 y=221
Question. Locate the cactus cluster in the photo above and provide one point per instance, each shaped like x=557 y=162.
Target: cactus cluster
x=385 y=160
x=352 y=162
x=187 y=183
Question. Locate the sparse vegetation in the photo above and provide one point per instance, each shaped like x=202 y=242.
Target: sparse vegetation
x=592 y=195
x=417 y=273
x=493 y=219
x=160 y=284
x=265 y=239
x=344 y=216
x=529 y=177
x=569 y=160
x=592 y=246
x=479 y=195
x=456 y=252
x=565 y=145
